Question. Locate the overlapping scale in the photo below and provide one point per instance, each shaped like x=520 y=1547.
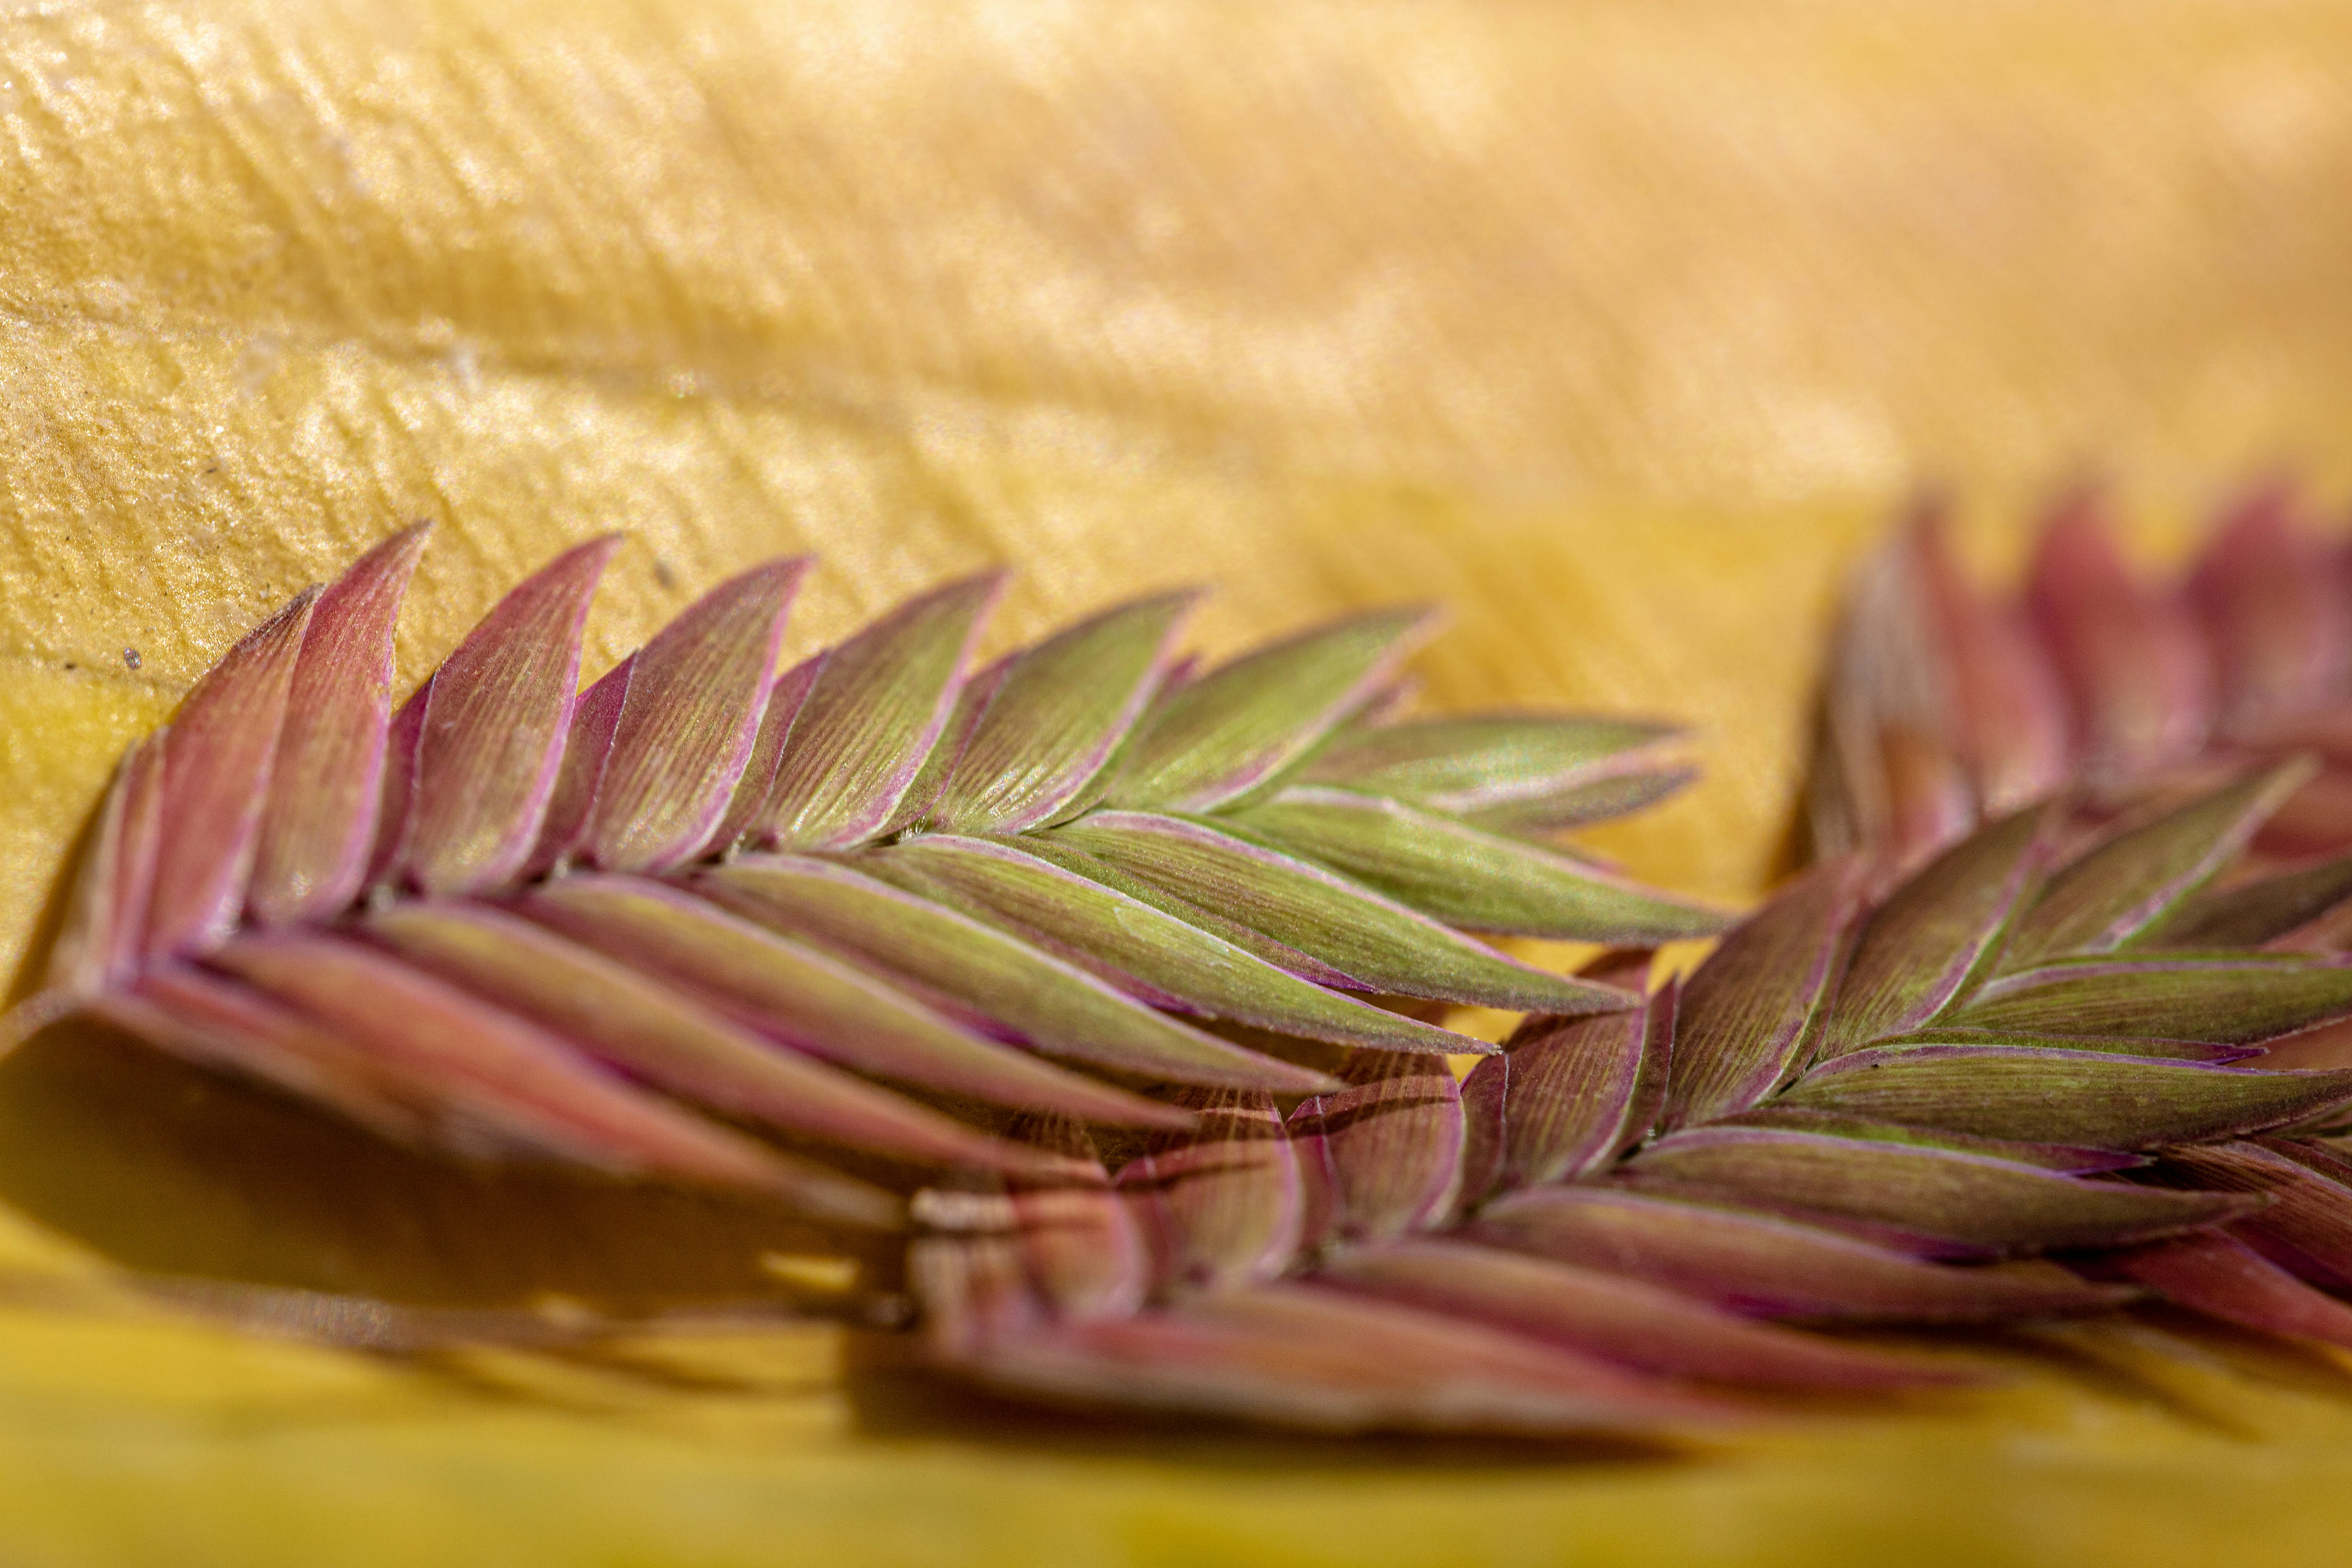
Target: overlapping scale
x=100 y=943
x=1770 y=1265
x=1222 y=1202
x=814 y=1002
x=646 y=1029
x=2004 y=697
x=1947 y=1200
x=216 y=763
x=1213 y=738
x=942 y=922
x=1324 y=1360
x=1617 y=1318
x=474 y=753
x=2134 y=879
x=1055 y=716
x=755 y=802
x=2304 y=1220
x=2227 y=1280
x=871 y=716
x=2100 y=1098
x=1512 y=772
x=2246 y=658
x=1139 y=947
x=685 y=731
x=326 y=779
x=1937 y=934
x=2276 y=613
x=208 y=1018
x=2256 y=911
x=2223 y=999
x=1468 y=878
x=990 y=979
x=498 y=1073
x=1285 y=910
x=1576 y=1093
x=1381 y=1157
x=1747 y=1013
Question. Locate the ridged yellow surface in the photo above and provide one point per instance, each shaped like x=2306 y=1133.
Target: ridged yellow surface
x=1618 y=327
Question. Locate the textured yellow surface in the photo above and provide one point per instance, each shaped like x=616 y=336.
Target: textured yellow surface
x=1616 y=326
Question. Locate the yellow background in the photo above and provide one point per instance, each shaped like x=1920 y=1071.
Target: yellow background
x=1618 y=327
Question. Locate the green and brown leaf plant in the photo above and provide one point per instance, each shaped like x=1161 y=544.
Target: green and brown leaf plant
x=1116 y=979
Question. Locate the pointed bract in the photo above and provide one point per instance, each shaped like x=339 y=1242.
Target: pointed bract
x=1485 y=1110
x=327 y=778
x=1747 y=1010
x=2183 y=997
x=587 y=749
x=648 y=1031
x=816 y=1003
x=2305 y=1223
x=1367 y=941
x=2254 y=912
x=1213 y=738
x=216 y=762
x=2129 y=658
x=1475 y=881
x=1056 y=716
x=987 y=976
x=1936 y=935
x=2006 y=710
x=515 y=1080
x=101 y=940
x=208 y=1019
x=2025 y=1040
x=488 y=730
x=2127 y=884
x=755 y=802
x=1471 y=763
x=2279 y=628
x=1972 y=1200
x=1382 y=1156
x=871 y=716
x=1221 y=1205
x=1770 y=1265
x=1617 y=1319
x=2100 y=1098
x=1139 y=947
x=1589 y=801
x=1889 y=776
x=2072 y=1158
x=685 y=733
x=1577 y=1090
x=2227 y=1280
x=1321 y=1360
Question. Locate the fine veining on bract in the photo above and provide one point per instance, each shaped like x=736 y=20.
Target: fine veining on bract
x=1122 y=980
x=519 y=915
